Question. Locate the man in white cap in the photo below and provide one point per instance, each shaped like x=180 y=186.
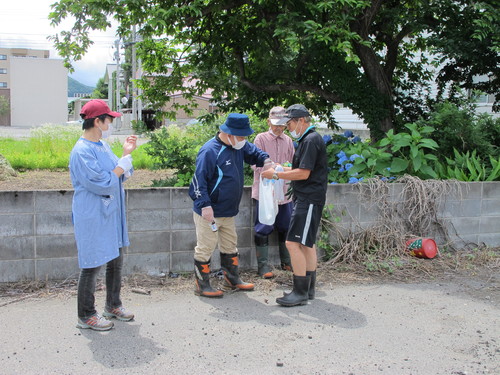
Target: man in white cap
x=216 y=190
x=280 y=148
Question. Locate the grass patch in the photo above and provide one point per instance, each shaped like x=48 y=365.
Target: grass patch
x=49 y=147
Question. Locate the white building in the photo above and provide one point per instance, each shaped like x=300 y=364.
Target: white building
x=35 y=87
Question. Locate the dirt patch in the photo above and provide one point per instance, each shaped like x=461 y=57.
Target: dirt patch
x=60 y=180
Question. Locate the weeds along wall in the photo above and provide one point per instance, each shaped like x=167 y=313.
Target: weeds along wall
x=37 y=241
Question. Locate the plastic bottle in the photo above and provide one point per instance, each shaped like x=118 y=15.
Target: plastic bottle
x=213 y=226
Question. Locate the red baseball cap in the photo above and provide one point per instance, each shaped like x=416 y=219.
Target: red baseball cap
x=97 y=107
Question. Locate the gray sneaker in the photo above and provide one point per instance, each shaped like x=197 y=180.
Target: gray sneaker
x=119 y=313
x=95 y=322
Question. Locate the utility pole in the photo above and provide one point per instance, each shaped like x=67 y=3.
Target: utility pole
x=134 y=86
x=139 y=91
x=118 y=88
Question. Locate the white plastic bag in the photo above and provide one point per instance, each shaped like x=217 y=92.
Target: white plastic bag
x=268 y=205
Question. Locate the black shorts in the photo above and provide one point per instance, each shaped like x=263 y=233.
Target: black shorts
x=304 y=223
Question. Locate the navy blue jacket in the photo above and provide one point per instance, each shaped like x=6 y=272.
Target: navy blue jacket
x=218 y=178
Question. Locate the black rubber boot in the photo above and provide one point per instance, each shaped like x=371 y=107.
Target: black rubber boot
x=299 y=294
x=286 y=263
x=202 y=280
x=312 y=284
x=229 y=264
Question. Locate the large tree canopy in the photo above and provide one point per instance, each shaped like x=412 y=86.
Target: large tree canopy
x=372 y=56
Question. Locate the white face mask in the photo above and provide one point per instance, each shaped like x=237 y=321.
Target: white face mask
x=239 y=145
x=294 y=134
x=106 y=133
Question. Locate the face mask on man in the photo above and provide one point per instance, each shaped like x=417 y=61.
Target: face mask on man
x=293 y=133
x=239 y=145
x=106 y=133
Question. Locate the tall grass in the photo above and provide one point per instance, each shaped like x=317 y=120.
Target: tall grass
x=49 y=146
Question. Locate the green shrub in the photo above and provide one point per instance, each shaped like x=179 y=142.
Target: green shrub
x=139 y=127
x=457 y=126
x=469 y=167
x=176 y=148
x=395 y=155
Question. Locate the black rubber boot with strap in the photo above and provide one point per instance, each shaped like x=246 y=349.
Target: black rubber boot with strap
x=312 y=284
x=299 y=295
x=229 y=265
x=202 y=280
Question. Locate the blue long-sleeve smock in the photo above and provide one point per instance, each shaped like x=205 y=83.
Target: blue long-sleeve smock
x=218 y=178
x=98 y=207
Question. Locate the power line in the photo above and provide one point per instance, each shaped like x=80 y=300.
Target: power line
x=111 y=38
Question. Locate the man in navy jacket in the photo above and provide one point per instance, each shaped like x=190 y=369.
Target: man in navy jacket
x=216 y=190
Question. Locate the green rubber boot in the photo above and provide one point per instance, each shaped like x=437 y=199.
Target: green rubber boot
x=263 y=268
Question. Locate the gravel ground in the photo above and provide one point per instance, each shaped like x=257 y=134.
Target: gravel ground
x=433 y=325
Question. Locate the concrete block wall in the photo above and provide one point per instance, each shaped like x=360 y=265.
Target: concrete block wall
x=37 y=241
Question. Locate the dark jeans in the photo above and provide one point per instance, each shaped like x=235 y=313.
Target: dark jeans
x=87 y=283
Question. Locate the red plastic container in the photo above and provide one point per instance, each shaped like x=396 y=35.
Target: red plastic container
x=422 y=247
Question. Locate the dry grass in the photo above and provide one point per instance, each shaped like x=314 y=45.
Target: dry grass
x=413 y=213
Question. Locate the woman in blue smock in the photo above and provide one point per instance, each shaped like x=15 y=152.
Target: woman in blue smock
x=98 y=210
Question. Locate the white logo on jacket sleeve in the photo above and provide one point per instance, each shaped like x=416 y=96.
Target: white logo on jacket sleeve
x=196 y=187
x=228 y=162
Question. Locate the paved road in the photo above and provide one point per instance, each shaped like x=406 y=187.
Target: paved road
x=428 y=328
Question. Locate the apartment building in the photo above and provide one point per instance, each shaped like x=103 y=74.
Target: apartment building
x=33 y=88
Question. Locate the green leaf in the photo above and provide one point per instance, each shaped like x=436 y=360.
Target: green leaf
x=414 y=151
x=399 y=165
x=428 y=171
x=427 y=129
x=429 y=143
x=356 y=169
x=384 y=142
x=430 y=157
x=417 y=162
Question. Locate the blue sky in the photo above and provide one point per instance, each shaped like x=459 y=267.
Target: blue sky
x=24 y=24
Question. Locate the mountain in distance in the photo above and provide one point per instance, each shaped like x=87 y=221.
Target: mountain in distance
x=76 y=88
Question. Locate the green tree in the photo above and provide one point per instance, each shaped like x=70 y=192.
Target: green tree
x=468 y=46
x=101 y=90
x=373 y=56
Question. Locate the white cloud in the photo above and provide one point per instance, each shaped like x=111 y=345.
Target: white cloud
x=25 y=24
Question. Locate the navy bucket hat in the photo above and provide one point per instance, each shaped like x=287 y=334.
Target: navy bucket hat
x=237 y=124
